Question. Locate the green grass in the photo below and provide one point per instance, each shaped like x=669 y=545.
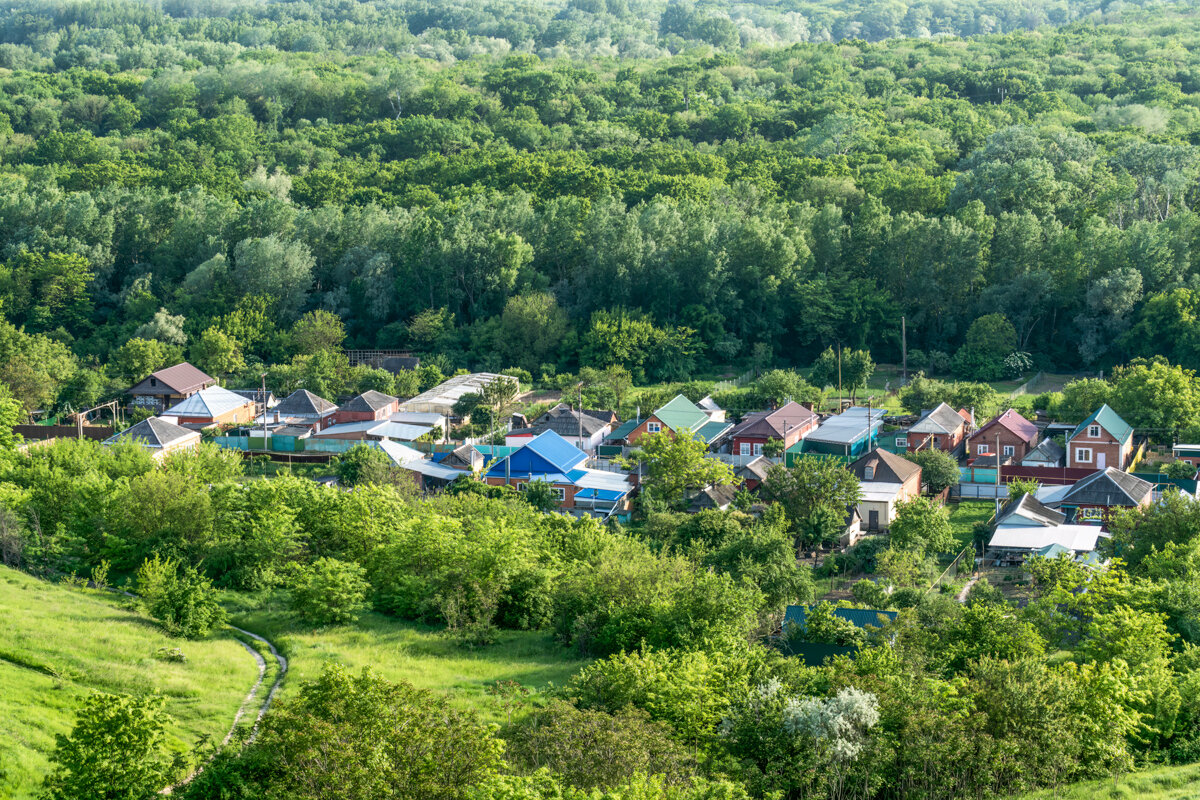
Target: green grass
x=58 y=644
x=964 y=516
x=422 y=655
x=1165 y=783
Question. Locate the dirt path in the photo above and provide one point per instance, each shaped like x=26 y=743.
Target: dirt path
x=962 y=596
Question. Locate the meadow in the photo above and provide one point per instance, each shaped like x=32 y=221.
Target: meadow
x=59 y=643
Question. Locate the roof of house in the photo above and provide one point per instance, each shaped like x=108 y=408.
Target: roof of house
x=602 y=414
x=256 y=395
x=623 y=430
x=849 y=427
x=774 y=424
x=1108 y=487
x=302 y=402
x=1107 y=419
x=154 y=432
x=860 y=617
x=879 y=492
x=681 y=414
x=1029 y=510
x=432 y=469
x=399 y=454
x=1014 y=423
x=182 y=378
x=888 y=467
x=718 y=497
x=211 y=402
x=548 y=457
x=1048 y=451
x=368 y=401
x=712 y=431
x=443 y=396
x=375 y=427
x=942 y=419
x=1079 y=538
x=755 y=469
x=298 y=431
x=565 y=421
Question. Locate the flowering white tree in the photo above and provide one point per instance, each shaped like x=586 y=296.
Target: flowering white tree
x=838 y=725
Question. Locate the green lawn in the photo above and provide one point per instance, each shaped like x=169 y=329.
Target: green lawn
x=58 y=643
x=421 y=655
x=963 y=517
x=1166 y=783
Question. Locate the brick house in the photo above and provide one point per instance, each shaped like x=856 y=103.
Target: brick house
x=1100 y=441
x=942 y=428
x=789 y=423
x=1017 y=437
x=213 y=406
x=680 y=416
x=367 y=407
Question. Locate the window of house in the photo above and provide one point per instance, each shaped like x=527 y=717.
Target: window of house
x=653 y=427
x=1094 y=432
x=558 y=493
x=521 y=487
x=1083 y=455
x=1009 y=450
x=935 y=441
x=154 y=381
x=901 y=441
x=758 y=449
x=981 y=450
x=745 y=448
x=869 y=473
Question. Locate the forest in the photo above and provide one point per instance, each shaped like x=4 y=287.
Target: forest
x=493 y=187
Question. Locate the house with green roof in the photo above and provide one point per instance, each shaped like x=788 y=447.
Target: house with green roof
x=1100 y=441
x=680 y=417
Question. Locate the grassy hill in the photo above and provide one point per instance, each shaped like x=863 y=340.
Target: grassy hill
x=1165 y=783
x=421 y=655
x=58 y=643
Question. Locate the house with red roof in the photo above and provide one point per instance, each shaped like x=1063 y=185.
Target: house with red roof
x=168 y=386
x=1009 y=436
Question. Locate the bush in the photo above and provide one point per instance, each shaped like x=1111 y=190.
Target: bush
x=330 y=592
x=869 y=593
x=179 y=597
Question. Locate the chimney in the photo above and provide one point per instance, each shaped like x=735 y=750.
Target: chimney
x=807 y=405
x=277 y=416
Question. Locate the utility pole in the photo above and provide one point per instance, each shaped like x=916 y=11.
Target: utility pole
x=839 y=377
x=997 y=473
x=579 y=414
x=903 y=350
x=264 y=409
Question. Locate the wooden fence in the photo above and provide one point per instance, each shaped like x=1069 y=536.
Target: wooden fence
x=95 y=432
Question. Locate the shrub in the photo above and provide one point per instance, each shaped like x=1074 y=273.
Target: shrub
x=179 y=597
x=869 y=593
x=330 y=592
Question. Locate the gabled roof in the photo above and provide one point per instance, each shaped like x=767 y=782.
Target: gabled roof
x=548 y=455
x=716 y=497
x=1029 y=511
x=368 y=401
x=1049 y=451
x=1107 y=419
x=860 y=617
x=681 y=414
x=849 y=427
x=942 y=419
x=302 y=402
x=888 y=467
x=153 y=432
x=709 y=432
x=1078 y=538
x=774 y=424
x=1109 y=487
x=565 y=421
x=755 y=469
x=182 y=378
x=1014 y=423
x=256 y=396
x=623 y=430
x=211 y=402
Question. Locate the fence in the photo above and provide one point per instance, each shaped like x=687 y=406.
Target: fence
x=979 y=491
x=741 y=380
x=95 y=432
x=1028 y=386
x=964 y=560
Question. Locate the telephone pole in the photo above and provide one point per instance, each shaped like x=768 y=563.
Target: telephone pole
x=903 y=350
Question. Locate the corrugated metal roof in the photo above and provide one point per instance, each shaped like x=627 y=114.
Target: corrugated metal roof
x=860 y=617
x=1080 y=538
x=398 y=453
x=182 y=378
x=681 y=414
x=368 y=401
x=942 y=419
x=302 y=402
x=1107 y=419
x=624 y=429
x=709 y=432
x=847 y=428
x=153 y=432
x=211 y=402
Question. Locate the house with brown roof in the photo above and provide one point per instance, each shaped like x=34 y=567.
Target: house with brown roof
x=885 y=480
x=168 y=386
x=789 y=423
x=370 y=406
x=1009 y=435
x=941 y=428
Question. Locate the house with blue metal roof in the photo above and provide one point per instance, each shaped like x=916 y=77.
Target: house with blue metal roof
x=1102 y=440
x=580 y=491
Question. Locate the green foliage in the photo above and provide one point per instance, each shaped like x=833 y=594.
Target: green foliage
x=939 y=470
x=364 y=465
x=329 y=592
x=922 y=525
x=1019 y=487
x=117 y=749
x=179 y=597
x=815 y=494
x=675 y=464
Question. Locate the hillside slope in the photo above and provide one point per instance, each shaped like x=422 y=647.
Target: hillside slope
x=57 y=644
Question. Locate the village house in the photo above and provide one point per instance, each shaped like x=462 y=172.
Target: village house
x=1102 y=440
x=582 y=428
x=1009 y=436
x=159 y=436
x=213 y=406
x=678 y=417
x=789 y=423
x=301 y=409
x=849 y=434
x=753 y=472
x=941 y=428
x=1048 y=453
x=1026 y=527
x=1092 y=500
x=577 y=490
x=370 y=406
x=885 y=480
x=168 y=386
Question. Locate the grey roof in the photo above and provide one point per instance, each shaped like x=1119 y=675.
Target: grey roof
x=302 y=402
x=1109 y=487
x=299 y=431
x=889 y=467
x=154 y=432
x=396 y=364
x=755 y=469
x=370 y=400
x=942 y=419
x=1030 y=508
x=565 y=421
x=713 y=497
x=1048 y=451
x=256 y=395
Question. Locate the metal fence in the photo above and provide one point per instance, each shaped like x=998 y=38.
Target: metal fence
x=978 y=491
x=1028 y=386
x=741 y=380
x=964 y=561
